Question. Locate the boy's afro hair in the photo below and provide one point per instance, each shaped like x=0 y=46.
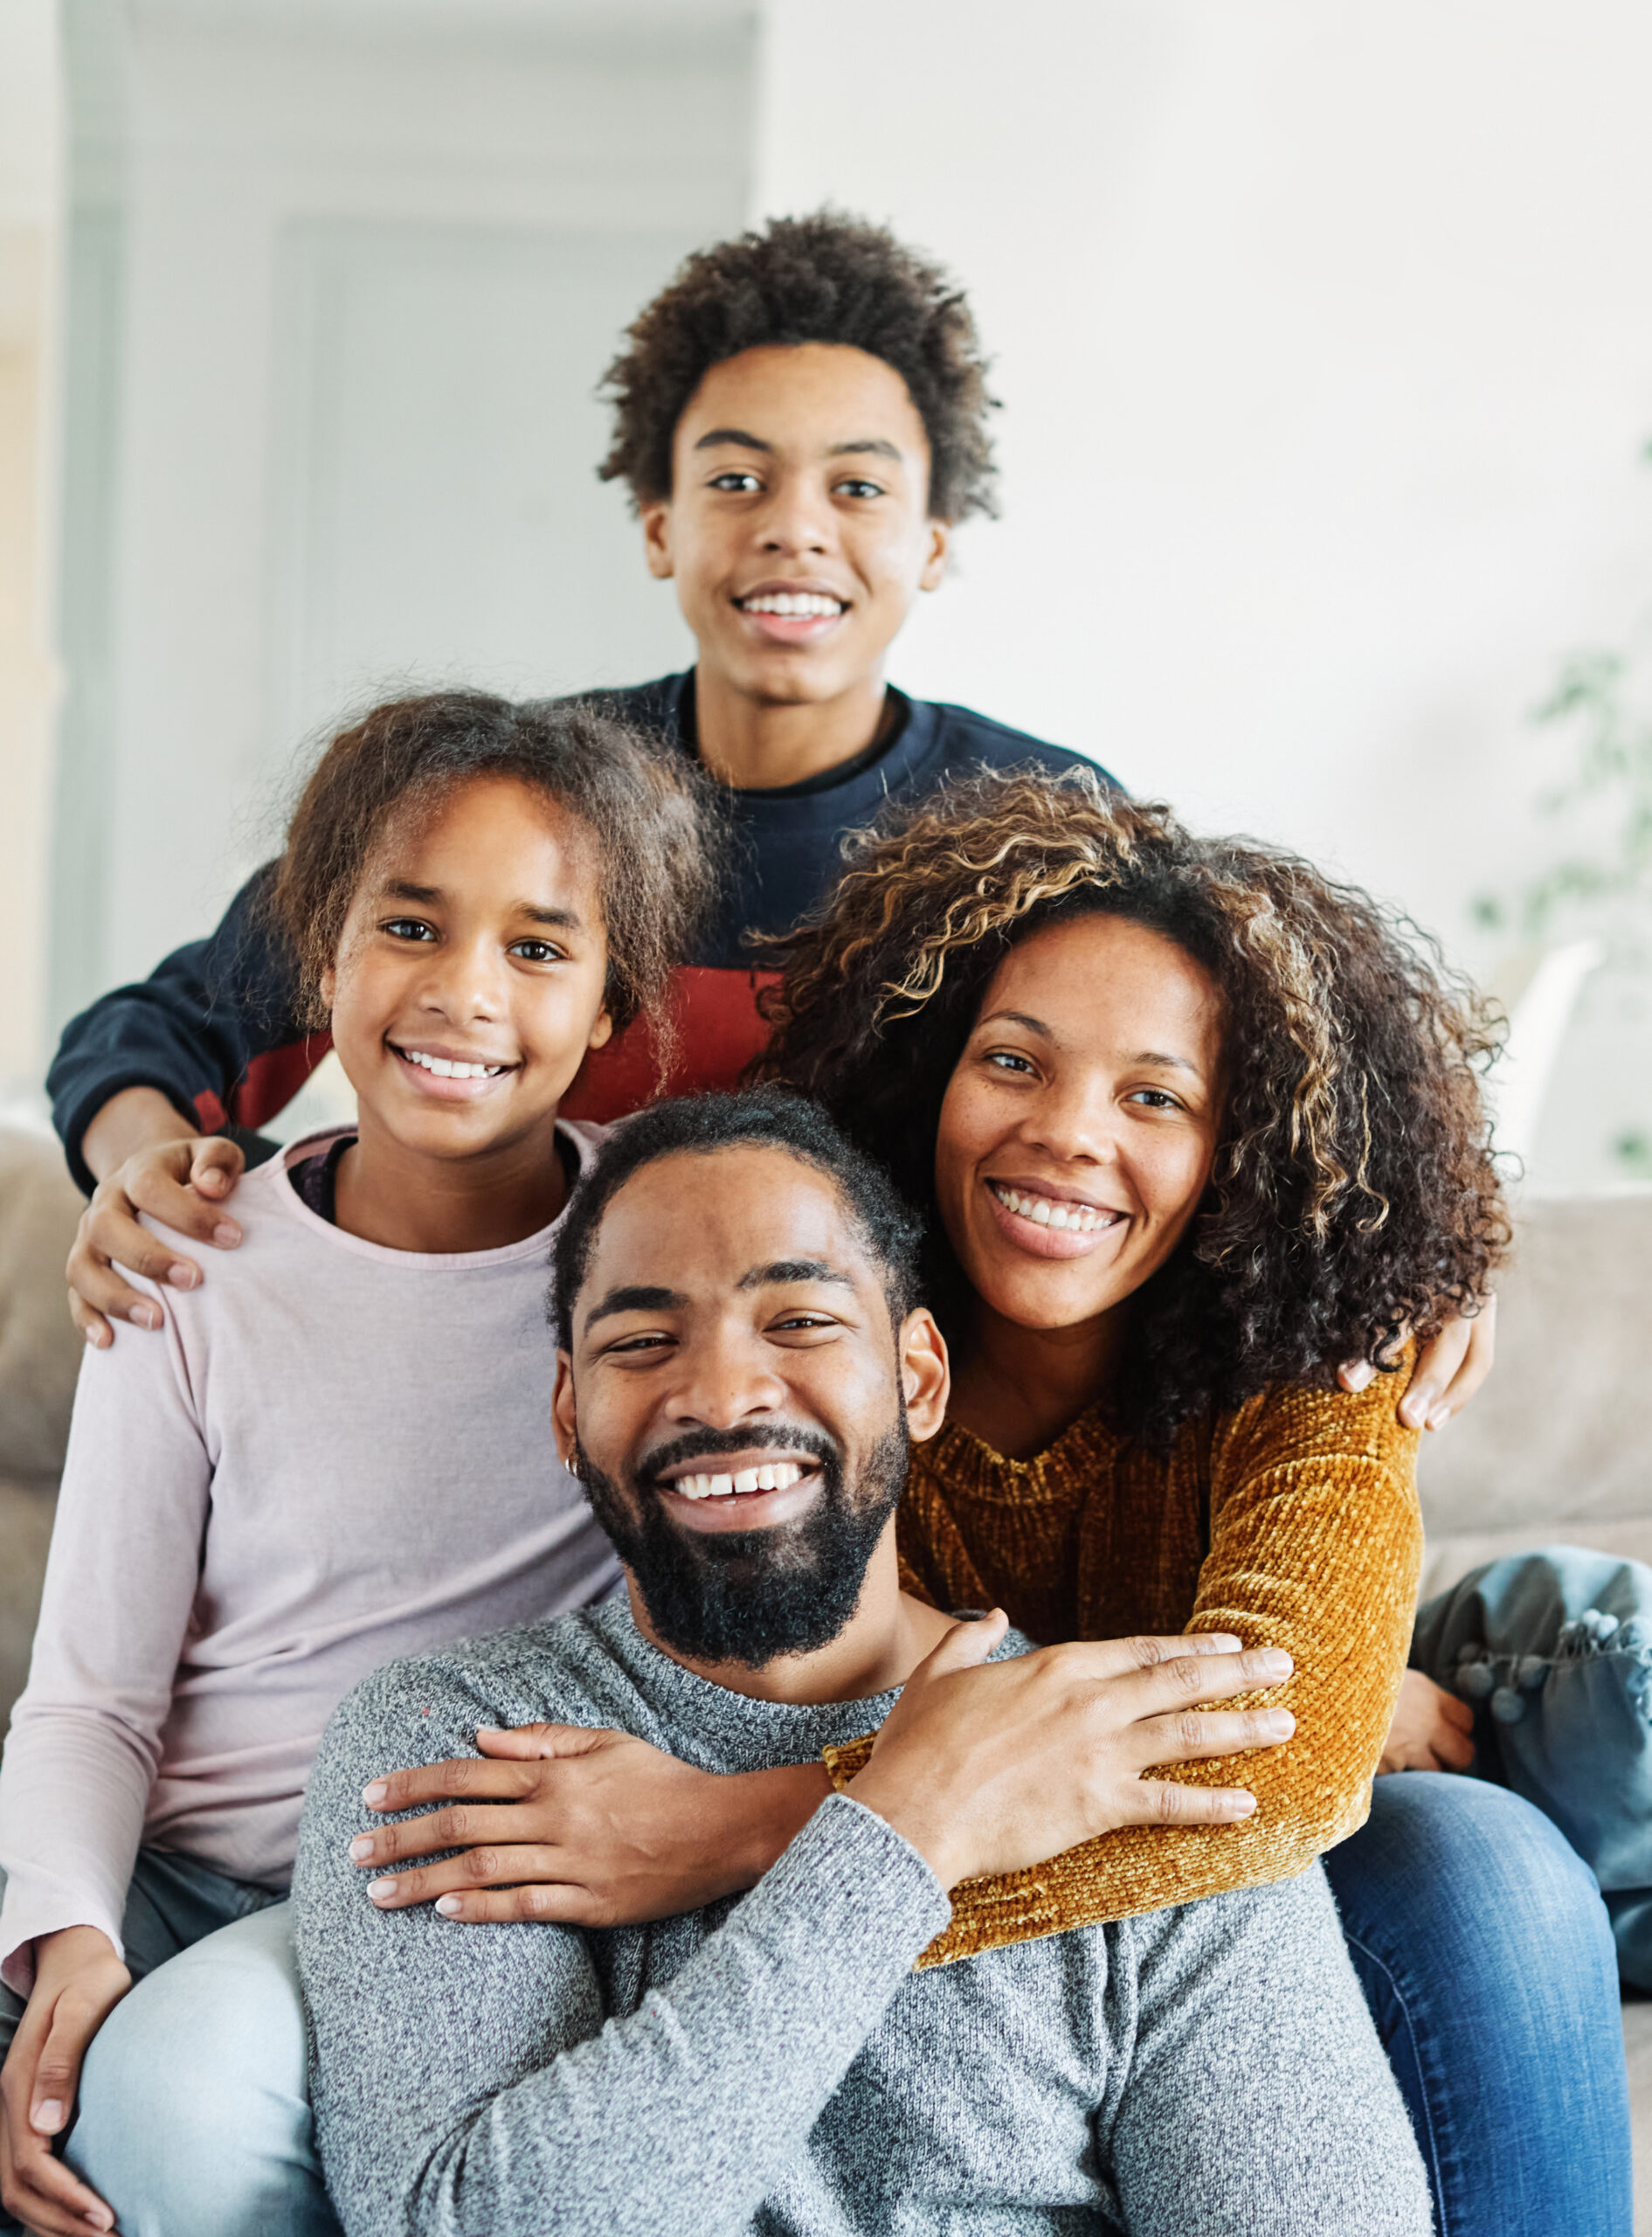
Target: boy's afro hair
x=823 y=278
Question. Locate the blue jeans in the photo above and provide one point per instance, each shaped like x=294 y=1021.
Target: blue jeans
x=1487 y=1959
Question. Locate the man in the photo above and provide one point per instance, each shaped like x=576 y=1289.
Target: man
x=741 y=1368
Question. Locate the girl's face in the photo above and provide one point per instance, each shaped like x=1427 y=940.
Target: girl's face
x=469 y=979
x=1079 y=1128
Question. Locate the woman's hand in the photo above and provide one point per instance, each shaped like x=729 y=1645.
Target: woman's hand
x=150 y=1161
x=1432 y=1730
x=989 y=1769
x=78 y=1982
x=587 y=1828
x=1450 y=1369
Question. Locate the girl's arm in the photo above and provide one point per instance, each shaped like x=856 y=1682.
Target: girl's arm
x=120 y=1586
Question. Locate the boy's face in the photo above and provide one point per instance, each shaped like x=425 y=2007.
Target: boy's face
x=797 y=473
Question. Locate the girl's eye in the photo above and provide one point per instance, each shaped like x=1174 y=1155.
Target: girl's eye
x=735 y=480
x=408 y=928
x=856 y=488
x=537 y=952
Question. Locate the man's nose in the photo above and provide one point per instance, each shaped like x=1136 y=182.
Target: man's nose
x=723 y=1381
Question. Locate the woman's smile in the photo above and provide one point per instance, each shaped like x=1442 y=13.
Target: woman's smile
x=1050 y=1222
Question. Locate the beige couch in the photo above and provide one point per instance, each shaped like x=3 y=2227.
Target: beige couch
x=1559 y=1448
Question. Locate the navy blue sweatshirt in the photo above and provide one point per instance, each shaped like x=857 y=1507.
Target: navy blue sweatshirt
x=218 y=1029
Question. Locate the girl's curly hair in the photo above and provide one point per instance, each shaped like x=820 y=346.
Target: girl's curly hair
x=823 y=277
x=654 y=822
x=1353 y=1197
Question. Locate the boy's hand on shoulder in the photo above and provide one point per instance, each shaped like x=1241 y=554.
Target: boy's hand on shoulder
x=1450 y=1369
x=78 y=1980
x=183 y=1180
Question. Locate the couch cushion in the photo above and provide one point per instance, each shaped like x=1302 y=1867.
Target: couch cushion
x=40 y=1348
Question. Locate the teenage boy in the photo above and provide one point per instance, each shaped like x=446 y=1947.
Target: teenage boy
x=801 y=420
x=735 y=1291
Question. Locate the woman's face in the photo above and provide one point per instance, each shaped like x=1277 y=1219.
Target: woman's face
x=1079 y=1128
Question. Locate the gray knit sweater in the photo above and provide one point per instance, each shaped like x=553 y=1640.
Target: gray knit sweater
x=774 y=2064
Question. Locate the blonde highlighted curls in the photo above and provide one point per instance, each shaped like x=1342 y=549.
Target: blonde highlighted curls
x=654 y=824
x=1353 y=1196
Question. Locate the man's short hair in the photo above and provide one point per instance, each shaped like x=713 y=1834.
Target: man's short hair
x=823 y=277
x=763 y=1118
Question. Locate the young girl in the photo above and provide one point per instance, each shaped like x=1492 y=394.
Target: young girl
x=341 y=1451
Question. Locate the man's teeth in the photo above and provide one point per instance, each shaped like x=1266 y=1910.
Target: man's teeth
x=778 y=1478
x=449 y=1067
x=794 y=606
x=1044 y=1211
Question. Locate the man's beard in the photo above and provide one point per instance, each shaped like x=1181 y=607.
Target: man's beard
x=750 y=1596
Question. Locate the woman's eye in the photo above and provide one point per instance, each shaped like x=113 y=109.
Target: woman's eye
x=1008 y=1060
x=408 y=928
x=742 y=483
x=537 y=952
x=1155 y=1099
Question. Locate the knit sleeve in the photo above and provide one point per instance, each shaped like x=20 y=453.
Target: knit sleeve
x=1315 y=1546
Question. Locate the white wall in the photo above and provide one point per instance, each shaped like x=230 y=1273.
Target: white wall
x=348 y=276
x=1326 y=358
x=30 y=215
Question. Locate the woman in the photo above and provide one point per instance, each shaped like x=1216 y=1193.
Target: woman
x=1192 y=1124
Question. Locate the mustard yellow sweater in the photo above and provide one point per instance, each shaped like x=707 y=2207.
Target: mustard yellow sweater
x=1292 y=1522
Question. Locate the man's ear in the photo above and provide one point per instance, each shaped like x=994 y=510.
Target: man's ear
x=656 y=516
x=940 y=550
x=926 y=1376
x=563 y=1411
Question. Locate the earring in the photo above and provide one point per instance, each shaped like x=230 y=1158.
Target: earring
x=572 y=1465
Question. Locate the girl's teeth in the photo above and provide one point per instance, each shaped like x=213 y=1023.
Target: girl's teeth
x=450 y=1068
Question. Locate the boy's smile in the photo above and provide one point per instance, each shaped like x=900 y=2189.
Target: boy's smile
x=797 y=533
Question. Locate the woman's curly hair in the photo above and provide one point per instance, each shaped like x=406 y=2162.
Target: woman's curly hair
x=655 y=824
x=1353 y=1196
x=823 y=277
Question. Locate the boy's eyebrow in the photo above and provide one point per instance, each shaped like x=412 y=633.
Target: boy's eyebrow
x=710 y=442
x=636 y=1297
x=793 y=1270
x=872 y=445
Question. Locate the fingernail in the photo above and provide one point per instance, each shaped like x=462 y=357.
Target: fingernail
x=1360 y=1377
x=100 y=2217
x=226 y=1235
x=1413 y=1408
x=181 y=1276
x=147 y=1316
x=376 y=1791
x=94 y=1337
x=1244 y=1805
x=489 y=1732
x=361 y=1848
x=1440 y=1417
x=381 y=1890
x=1281 y=1723
x=47 y=2117
x=448 y=1906
x=1276 y=1662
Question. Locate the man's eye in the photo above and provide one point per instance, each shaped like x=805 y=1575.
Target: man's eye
x=649 y=1341
x=408 y=928
x=537 y=952
x=805 y=1320
x=735 y=481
